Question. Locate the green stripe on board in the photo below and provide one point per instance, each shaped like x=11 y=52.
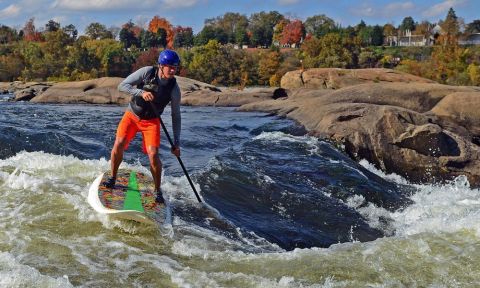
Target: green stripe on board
x=133 y=200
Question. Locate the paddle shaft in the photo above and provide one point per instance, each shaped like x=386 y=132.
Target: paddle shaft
x=178 y=157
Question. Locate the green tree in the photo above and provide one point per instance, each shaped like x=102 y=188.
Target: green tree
x=215 y=64
x=161 y=37
x=71 y=31
x=128 y=39
x=52 y=26
x=319 y=25
x=55 y=53
x=377 y=35
x=210 y=32
x=183 y=37
x=96 y=30
x=407 y=24
x=7 y=35
x=261 y=27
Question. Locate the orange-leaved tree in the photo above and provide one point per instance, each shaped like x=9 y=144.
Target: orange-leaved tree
x=293 y=33
x=161 y=23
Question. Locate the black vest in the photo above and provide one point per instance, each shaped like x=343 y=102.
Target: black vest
x=162 y=96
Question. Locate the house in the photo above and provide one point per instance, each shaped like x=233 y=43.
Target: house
x=413 y=40
x=408 y=40
x=472 y=39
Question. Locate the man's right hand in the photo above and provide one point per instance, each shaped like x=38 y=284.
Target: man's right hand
x=147 y=96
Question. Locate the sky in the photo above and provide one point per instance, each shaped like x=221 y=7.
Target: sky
x=192 y=13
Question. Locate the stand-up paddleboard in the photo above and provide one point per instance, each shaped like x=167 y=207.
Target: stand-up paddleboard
x=132 y=198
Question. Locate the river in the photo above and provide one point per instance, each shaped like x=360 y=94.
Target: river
x=282 y=209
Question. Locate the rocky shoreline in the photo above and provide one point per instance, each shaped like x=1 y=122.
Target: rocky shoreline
x=403 y=124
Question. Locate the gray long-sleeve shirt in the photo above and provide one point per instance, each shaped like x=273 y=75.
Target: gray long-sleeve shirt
x=129 y=85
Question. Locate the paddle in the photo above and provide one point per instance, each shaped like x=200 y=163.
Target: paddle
x=178 y=157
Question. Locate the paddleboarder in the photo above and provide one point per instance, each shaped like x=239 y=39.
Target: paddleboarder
x=152 y=89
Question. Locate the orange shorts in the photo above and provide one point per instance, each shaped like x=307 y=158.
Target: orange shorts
x=131 y=124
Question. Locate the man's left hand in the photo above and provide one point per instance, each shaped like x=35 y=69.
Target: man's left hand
x=176 y=151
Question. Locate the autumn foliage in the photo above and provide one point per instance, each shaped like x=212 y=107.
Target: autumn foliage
x=293 y=33
x=157 y=23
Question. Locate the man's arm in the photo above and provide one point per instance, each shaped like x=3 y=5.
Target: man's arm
x=129 y=84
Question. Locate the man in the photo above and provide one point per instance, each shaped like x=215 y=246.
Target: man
x=152 y=88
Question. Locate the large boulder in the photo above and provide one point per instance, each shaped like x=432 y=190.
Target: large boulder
x=424 y=132
x=104 y=91
x=96 y=91
x=336 y=78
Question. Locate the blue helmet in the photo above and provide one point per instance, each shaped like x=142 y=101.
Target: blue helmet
x=168 y=57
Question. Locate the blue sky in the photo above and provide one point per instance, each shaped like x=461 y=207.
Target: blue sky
x=193 y=12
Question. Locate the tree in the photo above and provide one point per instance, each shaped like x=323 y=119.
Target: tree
x=55 y=52
x=71 y=31
x=474 y=74
x=268 y=67
x=157 y=23
x=52 y=26
x=211 y=33
x=147 y=58
x=30 y=33
x=407 y=24
x=127 y=38
x=147 y=39
x=96 y=30
x=293 y=33
x=377 y=35
x=7 y=34
x=333 y=52
x=278 y=30
x=319 y=25
x=161 y=38
x=230 y=24
x=366 y=34
x=183 y=37
x=473 y=27
x=451 y=25
x=261 y=27
x=424 y=28
x=389 y=30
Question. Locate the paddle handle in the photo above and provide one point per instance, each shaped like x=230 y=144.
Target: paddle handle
x=178 y=157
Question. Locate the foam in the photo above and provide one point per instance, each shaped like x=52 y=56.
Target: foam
x=15 y=274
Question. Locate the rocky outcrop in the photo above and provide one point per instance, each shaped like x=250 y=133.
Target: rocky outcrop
x=95 y=91
x=104 y=91
x=336 y=78
x=24 y=91
x=425 y=132
x=232 y=97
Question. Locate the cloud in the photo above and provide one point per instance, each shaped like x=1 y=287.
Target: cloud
x=179 y=3
x=442 y=8
x=95 y=5
x=396 y=8
x=388 y=11
x=11 y=11
x=287 y=2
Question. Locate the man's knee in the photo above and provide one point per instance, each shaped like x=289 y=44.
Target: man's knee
x=152 y=153
x=119 y=145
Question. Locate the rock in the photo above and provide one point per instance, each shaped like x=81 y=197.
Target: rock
x=26 y=91
x=232 y=97
x=96 y=91
x=336 y=78
x=104 y=91
x=423 y=131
